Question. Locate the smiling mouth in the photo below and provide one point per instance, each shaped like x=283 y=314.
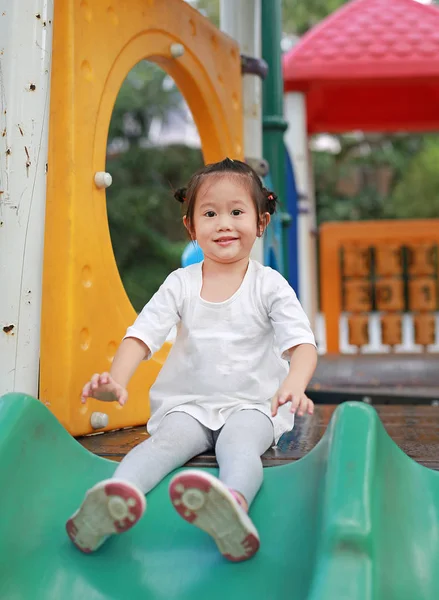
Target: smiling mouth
x=225 y=241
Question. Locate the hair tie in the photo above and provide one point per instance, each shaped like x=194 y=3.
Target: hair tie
x=271 y=201
x=180 y=195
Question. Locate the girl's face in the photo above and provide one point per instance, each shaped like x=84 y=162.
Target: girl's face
x=225 y=220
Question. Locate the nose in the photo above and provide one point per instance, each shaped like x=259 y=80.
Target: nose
x=223 y=223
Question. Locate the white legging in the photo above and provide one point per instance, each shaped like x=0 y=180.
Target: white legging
x=238 y=446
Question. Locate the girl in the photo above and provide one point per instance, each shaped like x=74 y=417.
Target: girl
x=227 y=374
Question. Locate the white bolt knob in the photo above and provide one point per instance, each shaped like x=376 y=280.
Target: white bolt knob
x=177 y=50
x=103 y=179
x=99 y=420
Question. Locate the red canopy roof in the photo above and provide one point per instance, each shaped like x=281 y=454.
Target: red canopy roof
x=372 y=65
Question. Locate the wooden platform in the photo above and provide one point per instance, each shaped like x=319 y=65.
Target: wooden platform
x=415 y=428
x=396 y=378
x=401 y=387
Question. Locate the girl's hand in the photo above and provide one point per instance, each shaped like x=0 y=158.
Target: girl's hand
x=289 y=392
x=103 y=387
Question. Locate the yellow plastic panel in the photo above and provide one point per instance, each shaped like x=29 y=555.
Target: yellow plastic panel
x=388 y=259
x=423 y=294
x=85 y=307
x=356 y=261
x=358 y=330
x=357 y=296
x=425 y=329
x=391 y=329
x=389 y=293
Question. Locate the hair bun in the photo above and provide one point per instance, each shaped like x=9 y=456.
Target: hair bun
x=271 y=201
x=180 y=195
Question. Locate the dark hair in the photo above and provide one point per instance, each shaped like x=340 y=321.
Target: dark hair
x=264 y=200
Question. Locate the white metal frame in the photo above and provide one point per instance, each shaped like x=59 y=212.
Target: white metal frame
x=296 y=141
x=241 y=19
x=25 y=62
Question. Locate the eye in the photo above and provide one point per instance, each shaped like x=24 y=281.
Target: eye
x=236 y=212
x=209 y=213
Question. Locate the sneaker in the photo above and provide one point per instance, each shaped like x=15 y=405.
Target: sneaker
x=205 y=502
x=111 y=506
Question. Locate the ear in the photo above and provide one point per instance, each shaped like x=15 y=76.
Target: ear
x=264 y=222
x=188 y=227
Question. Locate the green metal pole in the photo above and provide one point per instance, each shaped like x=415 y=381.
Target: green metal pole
x=273 y=122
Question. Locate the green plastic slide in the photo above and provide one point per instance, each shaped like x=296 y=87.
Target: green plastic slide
x=356 y=519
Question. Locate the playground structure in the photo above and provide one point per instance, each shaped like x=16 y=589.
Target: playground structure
x=362 y=513
x=77 y=252
x=336 y=504
x=389 y=276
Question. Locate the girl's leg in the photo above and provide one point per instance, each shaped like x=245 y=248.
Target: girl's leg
x=239 y=447
x=211 y=504
x=115 y=505
x=179 y=438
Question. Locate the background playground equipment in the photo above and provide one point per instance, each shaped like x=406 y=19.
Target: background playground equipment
x=80 y=272
x=373 y=66
x=383 y=273
x=191 y=254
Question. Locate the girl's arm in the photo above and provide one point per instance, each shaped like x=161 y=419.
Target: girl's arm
x=128 y=357
x=111 y=387
x=302 y=366
x=303 y=362
x=142 y=339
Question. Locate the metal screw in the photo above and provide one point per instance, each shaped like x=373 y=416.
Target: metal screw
x=177 y=50
x=103 y=179
x=99 y=420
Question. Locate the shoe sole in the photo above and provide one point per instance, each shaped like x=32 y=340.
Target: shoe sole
x=205 y=502
x=110 y=507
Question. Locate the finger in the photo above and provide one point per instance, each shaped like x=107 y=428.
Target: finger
x=85 y=393
x=123 y=398
x=295 y=401
x=283 y=398
x=104 y=378
x=302 y=406
x=94 y=381
x=310 y=407
x=274 y=406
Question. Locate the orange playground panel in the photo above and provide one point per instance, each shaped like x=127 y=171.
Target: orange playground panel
x=390 y=267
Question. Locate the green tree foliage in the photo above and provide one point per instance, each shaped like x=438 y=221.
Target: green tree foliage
x=145 y=94
x=210 y=9
x=144 y=219
x=416 y=195
x=300 y=15
x=366 y=158
x=297 y=15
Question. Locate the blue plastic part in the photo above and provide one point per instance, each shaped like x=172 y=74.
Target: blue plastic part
x=273 y=238
x=292 y=207
x=192 y=254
